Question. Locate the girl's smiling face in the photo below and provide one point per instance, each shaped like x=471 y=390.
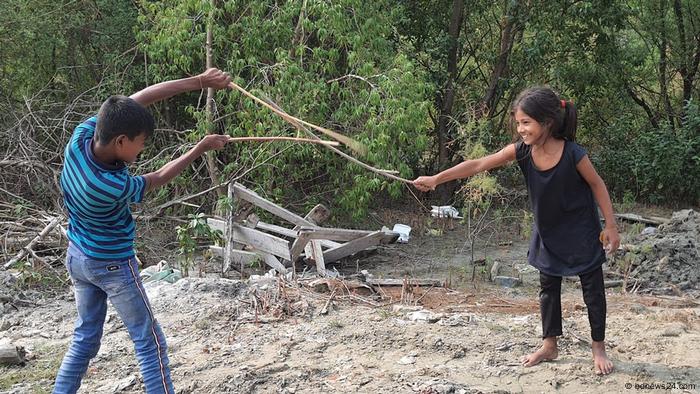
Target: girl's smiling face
x=531 y=131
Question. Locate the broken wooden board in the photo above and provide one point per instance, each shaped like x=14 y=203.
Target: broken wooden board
x=261 y=241
x=333 y=234
x=218 y=224
x=354 y=246
x=299 y=244
x=314 y=250
x=410 y=282
x=252 y=197
x=655 y=220
x=273 y=262
x=291 y=233
x=238 y=257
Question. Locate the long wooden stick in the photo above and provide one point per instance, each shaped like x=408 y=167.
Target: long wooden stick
x=301 y=127
x=293 y=139
x=351 y=143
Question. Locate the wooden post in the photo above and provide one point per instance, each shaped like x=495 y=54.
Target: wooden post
x=228 y=232
x=313 y=249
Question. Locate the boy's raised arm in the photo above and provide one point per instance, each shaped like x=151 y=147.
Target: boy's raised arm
x=211 y=78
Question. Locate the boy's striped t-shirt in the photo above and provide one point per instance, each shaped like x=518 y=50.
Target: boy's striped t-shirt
x=97 y=197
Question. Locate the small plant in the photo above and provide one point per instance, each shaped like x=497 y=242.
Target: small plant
x=385 y=314
x=636 y=228
x=628 y=201
x=188 y=238
x=335 y=324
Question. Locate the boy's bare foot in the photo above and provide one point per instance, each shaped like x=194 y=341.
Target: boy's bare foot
x=603 y=365
x=547 y=352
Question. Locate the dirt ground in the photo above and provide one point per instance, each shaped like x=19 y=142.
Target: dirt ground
x=267 y=335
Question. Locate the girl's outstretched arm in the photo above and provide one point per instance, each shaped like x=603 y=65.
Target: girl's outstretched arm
x=466 y=169
x=609 y=237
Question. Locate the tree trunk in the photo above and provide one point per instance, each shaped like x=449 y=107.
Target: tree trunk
x=663 y=64
x=685 y=55
x=211 y=155
x=500 y=69
x=443 y=124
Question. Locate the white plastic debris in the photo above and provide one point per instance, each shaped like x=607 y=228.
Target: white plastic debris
x=403 y=231
x=445 y=211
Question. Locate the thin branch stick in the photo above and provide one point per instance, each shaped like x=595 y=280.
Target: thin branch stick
x=272 y=139
x=351 y=143
x=31 y=243
x=301 y=127
x=161 y=207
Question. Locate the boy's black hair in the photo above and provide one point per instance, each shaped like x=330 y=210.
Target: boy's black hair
x=122 y=115
x=547 y=108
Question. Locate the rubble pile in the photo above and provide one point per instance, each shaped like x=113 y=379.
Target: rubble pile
x=665 y=260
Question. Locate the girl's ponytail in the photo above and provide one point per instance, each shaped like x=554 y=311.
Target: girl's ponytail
x=567 y=130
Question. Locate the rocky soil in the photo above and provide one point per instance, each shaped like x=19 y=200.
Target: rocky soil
x=271 y=335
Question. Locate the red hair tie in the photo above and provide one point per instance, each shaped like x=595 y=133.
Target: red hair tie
x=563 y=103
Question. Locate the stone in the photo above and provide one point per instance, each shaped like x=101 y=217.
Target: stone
x=424 y=316
x=507 y=281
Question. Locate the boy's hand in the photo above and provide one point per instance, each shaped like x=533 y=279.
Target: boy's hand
x=610 y=239
x=425 y=183
x=214 y=78
x=212 y=141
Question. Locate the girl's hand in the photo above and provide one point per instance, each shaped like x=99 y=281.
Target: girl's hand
x=214 y=78
x=212 y=141
x=610 y=239
x=425 y=183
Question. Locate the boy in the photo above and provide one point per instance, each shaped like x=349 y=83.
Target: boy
x=97 y=190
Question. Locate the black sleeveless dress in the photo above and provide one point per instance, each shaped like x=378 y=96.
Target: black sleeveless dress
x=566 y=229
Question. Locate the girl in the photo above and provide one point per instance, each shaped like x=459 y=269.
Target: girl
x=563 y=187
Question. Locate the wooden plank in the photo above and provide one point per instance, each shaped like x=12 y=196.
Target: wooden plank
x=313 y=249
x=334 y=234
x=217 y=224
x=318 y=214
x=315 y=252
x=298 y=245
x=229 y=243
x=642 y=219
x=255 y=199
x=400 y=282
x=353 y=247
x=273 y=262
x=273 y=228
x=261 y=241
x=291 y=233
x=239 y=258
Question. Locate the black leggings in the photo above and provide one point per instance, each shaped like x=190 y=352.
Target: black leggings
x=593 y=295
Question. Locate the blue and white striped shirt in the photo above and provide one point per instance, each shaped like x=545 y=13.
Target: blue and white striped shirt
x=97 y=198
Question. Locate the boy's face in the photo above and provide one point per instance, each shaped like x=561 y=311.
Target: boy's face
x=128 y=150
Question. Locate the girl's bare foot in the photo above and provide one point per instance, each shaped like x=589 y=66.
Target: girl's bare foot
x=603 y=365
x=547 y=352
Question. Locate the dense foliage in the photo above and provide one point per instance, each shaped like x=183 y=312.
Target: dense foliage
x=422 y=83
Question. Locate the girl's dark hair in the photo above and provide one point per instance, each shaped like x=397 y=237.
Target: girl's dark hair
x=547 y=108
x=122 y=115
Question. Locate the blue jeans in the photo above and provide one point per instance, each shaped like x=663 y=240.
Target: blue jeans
x=94 y=282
